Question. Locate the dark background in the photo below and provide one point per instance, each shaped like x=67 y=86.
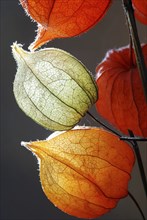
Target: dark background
x=21 y=196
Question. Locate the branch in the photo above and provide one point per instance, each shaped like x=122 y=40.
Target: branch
x=139 y=160
x=104 y=125
x=127 y=138
x=129 y=12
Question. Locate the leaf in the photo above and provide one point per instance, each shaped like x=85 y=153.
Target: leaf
x=61 y=19
x=52 y=87
x=140 y=9
x=121 y=97
x=84 y=171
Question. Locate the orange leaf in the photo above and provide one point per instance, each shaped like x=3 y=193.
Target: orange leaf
x=85 y=171
x=121 y=98
x=60 y=19
x=140 y=8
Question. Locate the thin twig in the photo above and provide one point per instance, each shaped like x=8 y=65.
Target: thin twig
x=132 y=139
x=127 y=138
x=129 y=12
x=131 y=52
x=103 y=124
x=139 y=160
x=136 y=203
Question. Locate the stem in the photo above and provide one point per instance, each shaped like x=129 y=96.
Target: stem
x=131 y=52
x=132 y=139
x=126 y=138
x=129 y=11
x=136 y=203
x=140 y=163
x=103 y=124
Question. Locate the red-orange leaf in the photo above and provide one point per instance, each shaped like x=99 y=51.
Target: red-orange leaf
x=140 y=9
x=121 y=98
x=85 y=171
x=60 y=19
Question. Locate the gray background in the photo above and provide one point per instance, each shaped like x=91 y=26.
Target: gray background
x=21 y=195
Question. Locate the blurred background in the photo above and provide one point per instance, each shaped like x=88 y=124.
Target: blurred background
x=21 y=196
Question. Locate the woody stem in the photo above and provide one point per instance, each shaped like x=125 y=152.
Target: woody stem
x=132 y=140
x=129 y=12
x=139 y=160
x=103 y=124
